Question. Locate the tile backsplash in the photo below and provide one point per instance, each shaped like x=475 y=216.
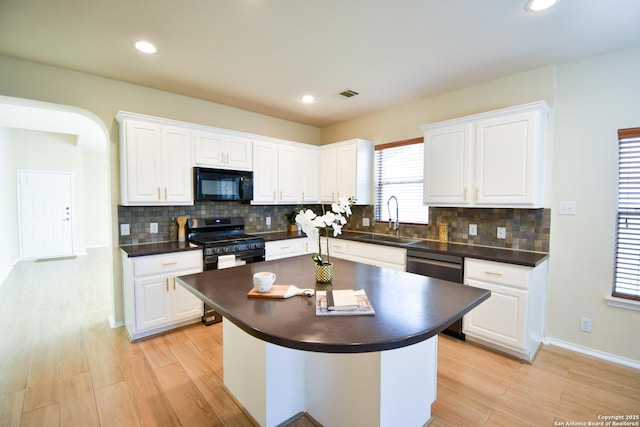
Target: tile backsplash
x=527 y=229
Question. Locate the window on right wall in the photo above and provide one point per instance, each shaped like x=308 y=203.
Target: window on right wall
x=626 y=276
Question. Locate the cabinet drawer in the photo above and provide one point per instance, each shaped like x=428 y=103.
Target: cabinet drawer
x=284 y=248
x=496 y=272
x=167 y=263
x=377 y=253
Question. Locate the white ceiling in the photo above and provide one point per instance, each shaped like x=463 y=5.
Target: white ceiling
x=262 y=55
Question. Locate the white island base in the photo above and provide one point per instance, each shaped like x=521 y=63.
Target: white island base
x=385 y=388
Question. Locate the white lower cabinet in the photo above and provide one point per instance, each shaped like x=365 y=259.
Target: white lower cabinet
x=153 y=301
x=367 y=253
x=287 y=248
x=512 y=319
x=378 y=255
x=279 y=249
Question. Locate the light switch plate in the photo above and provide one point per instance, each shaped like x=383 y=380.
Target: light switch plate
x=473 y=229
x=153 y=227
x=124 y=229
x=365 y=222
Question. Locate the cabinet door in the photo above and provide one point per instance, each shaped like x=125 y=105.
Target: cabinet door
x=177 y=171
x=209 y=149
x=184 y=305
x=327 y=175
x=265 y=171
x=309 y=163
x=447 y=165
x=346 y=171
x=151 y=302
x=142 y=163
x=289 y=180
x=501 y=319
x=505 y=154
x=238 y=153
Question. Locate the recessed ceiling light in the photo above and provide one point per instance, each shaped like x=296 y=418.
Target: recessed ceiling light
x=539 y=5
x=145 y=46
x=307 y=99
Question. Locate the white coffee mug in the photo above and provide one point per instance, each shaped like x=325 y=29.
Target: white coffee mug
x=263 y=280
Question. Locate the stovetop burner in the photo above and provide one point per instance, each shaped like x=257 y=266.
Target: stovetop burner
x=222 y=235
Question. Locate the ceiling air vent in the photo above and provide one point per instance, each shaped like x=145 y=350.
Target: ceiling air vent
x=347 y=93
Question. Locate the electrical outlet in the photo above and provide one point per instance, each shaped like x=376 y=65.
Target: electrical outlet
x=502 y=233
x=585 y=324
x=365 y=222
x=567 y=208
x=267 y=221
x=124 y=229
x=473 y=229
x=153 y=228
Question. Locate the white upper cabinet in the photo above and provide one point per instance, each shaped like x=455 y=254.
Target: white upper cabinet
x=265 y=171
x=284 y=173
x=447 y=164
x=346 y=169
x=155 y=164
x=493 y=159
x=223 y=151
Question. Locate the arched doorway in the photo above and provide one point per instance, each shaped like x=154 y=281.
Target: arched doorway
x=91 y=138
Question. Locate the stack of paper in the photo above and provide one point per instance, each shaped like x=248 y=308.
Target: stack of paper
x=343 y=299
x=343 y=303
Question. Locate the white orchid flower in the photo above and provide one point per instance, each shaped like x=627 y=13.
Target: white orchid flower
x=329 y=218
x=345 y=203
x=337 y=208
x=336 y=218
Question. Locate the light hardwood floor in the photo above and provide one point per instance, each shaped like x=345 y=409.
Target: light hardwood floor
x=61 y=364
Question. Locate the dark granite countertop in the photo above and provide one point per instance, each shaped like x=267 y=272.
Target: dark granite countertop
x=509 y=256
x=157 y=248
x=408 y=308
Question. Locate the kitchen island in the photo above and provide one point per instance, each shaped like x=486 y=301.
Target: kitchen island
x=280 y=359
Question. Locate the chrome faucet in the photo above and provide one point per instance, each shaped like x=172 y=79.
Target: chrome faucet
x=397 y=224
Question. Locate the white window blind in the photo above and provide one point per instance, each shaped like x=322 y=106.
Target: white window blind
x=399 y=172
x=626 y=278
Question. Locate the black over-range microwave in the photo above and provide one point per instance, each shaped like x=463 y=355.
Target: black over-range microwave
x=220 y=184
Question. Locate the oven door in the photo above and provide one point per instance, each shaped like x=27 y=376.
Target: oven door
x=217 y=262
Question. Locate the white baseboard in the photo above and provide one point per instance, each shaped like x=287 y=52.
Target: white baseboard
x=113 y=323
x=595 y=353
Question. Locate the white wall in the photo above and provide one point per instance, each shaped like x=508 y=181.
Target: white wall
x=9 y=249
x=594 y=98
x=96 y=203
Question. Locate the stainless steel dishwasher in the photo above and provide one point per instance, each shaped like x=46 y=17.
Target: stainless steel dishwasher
x=439 y=266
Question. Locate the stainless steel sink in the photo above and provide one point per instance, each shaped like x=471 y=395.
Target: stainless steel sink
x=387 y=239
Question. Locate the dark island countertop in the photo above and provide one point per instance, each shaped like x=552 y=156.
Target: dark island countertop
x=408 y=308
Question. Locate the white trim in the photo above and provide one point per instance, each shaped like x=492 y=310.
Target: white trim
x=595 y=353
x=628 y=304
x=113 y=323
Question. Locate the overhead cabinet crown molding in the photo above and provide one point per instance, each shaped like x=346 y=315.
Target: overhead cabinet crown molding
x=493 y=159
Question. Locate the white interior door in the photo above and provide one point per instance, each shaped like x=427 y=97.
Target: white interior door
x=45 y=214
